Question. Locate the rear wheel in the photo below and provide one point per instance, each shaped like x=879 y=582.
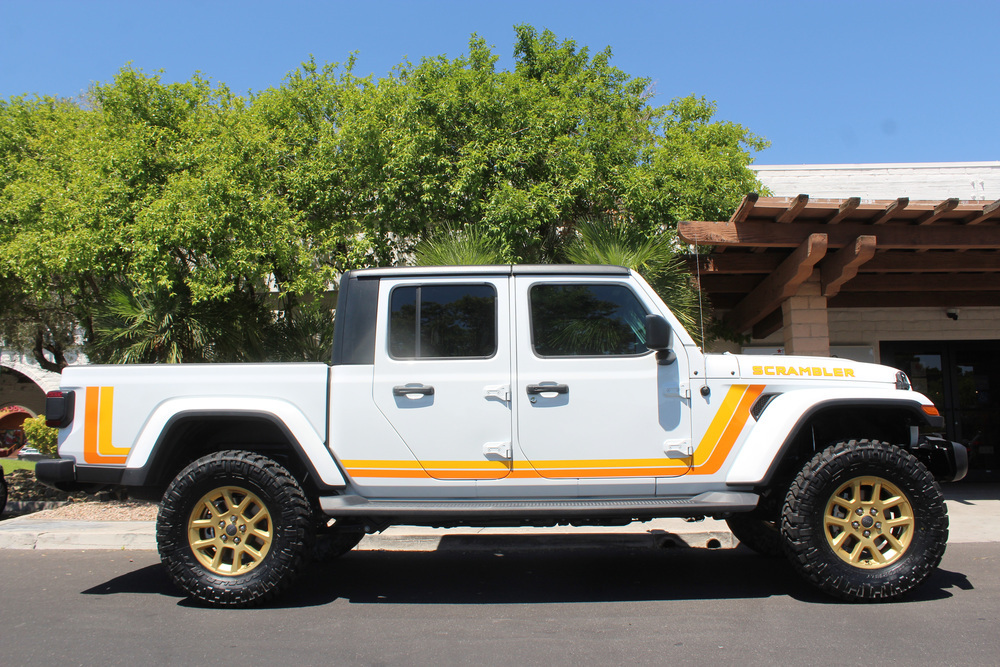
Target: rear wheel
x=234 y=529
x=865 y=521
x=3 y=491
x=758 y=531
x=334 y=539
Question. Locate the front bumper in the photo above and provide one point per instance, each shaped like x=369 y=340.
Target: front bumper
x=66 y=475
x=949 y=461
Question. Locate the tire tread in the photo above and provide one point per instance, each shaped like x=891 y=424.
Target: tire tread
x=291 y=515
x=809 y=492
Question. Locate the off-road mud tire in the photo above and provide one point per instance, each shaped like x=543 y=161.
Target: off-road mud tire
x=807 y=540
x=3 y=491
x=290 y=527
x=333 y=541
x=758 y=533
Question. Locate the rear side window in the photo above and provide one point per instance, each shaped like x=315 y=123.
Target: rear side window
x=442 y=321
x=587 y=320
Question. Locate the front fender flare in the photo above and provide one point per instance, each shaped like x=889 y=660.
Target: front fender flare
x=786 y=414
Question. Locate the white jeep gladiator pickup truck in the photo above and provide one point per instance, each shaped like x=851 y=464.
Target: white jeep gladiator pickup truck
x=512 y=395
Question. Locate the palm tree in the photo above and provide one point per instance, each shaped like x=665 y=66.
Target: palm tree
x=607 y=241
x=468 y=246
x=133 y=326
x=594 y=241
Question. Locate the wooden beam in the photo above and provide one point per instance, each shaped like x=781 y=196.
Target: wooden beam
x=941 y=300
x=718 y=283
x=951 y=282
x=939 y=210
x=845 y=210
x=778 y=286
x=867 y=209
x=722 y=302
x=889 y=237
x=739 y=263
x=794 y=209
x=989 y=211
x=886 y=262
x=743 y=210
x=932 y=262
x=892 y=210
x=843 y=266
x=769 y=324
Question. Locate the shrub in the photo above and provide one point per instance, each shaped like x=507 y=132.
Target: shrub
x=44 y=438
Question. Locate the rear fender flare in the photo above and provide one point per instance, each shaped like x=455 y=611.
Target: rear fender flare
x=308 y=444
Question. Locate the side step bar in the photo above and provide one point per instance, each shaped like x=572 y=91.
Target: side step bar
x=711 y=502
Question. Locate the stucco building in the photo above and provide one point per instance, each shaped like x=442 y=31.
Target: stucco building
x=896 y=264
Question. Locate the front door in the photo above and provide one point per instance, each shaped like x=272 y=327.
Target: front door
x=592 y=402
x=443 y=379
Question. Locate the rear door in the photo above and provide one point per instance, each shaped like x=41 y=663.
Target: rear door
x=443 y=378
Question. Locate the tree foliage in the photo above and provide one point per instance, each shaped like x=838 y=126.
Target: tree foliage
x=160 y=221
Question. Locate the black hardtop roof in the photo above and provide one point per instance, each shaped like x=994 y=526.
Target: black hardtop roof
x=498 y=269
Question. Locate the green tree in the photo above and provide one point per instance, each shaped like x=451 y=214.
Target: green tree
x=524 y=155
x=163 y=221
x=43 y=258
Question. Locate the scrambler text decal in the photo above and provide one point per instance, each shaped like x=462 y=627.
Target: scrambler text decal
x=805 y=371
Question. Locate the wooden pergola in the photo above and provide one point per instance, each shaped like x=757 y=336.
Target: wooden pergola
x=778 y=261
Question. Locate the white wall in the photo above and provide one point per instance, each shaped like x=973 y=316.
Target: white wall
x=929 y=180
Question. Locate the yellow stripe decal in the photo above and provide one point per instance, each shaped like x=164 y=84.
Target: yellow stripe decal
x=716 y=430
x=724 y=430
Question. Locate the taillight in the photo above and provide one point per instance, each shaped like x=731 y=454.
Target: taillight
x=59 y=408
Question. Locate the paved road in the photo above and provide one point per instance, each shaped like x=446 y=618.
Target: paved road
x=614 y=605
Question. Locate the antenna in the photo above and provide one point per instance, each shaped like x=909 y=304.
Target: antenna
x=701 y=312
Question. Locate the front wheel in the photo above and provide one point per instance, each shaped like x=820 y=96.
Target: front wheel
x=865 y=521
x=234 y=529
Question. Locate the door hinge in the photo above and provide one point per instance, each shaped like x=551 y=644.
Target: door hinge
x=501 y=391
x=501 y=449
x=683 y=391
x=678 y=449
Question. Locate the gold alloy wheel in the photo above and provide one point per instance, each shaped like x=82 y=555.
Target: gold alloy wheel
x=868 y=522
x=230 y=531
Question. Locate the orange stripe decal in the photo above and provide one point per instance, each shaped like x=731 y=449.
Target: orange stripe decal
x=733 y=430
x=714 y=448
x=90 y=425
x=97 y=422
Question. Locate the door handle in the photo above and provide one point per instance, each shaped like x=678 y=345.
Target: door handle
x=403 y=390
x=547 y=388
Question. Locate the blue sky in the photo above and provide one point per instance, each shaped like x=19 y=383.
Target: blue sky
x=825 y=82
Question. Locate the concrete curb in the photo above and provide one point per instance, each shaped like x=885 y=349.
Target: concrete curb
x=974 y=512
x=30 y=506
x=28 y=533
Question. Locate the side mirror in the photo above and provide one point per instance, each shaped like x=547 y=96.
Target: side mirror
x=658 y=336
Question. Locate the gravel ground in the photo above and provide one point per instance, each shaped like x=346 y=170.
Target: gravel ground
x=122 y=510
x=24 y=487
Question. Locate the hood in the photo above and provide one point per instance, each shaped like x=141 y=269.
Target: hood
x=826 y=369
